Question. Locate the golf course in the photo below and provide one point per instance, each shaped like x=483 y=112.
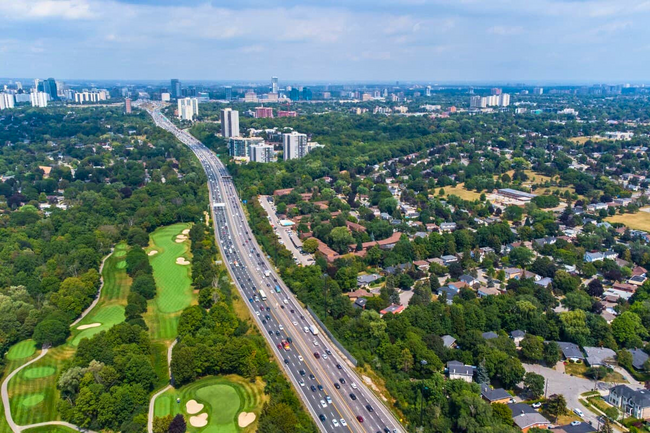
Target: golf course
x=217 y=403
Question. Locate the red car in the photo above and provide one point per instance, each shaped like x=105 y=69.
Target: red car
x=316 y=355
x=279 y=346
x=360 y=418
x=261 y=308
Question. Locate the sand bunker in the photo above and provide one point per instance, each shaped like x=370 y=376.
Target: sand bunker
x=186 y=232
x=92 y=325
x=246 y=418
x=199 y=420
x=182 y=261
x=152 y=252
x=193 y=407
x=181 y=238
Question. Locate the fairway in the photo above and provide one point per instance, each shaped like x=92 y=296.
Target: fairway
x=107 y=315
x=36 y=372
x=21 y=350
x=50 y=429
x=636 y=221
x=223 y=399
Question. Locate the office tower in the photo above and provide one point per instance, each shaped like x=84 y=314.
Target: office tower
x=504 y=100
x=228 y=93
x=19 y=85
x=49 y=87
x=175 y=89
x=427 y=92
x=263 y=112
x=294 y=145
x=306 y=94
x=495 y=91
x=127 y=105
x=294 y=95
x=538 y=91
x=260 y=152
x=274 y=85
x=188 y=108
x=38 y=99
x=38 y=83
x=6 y=100
x=229 y=122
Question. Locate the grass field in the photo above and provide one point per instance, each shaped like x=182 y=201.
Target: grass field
x=461 y=192
x=50 y=429
x=173 y=282
x=32 y=392
x=637 y=221
x=224 y=398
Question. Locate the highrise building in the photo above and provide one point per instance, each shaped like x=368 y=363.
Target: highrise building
x=38 y=99
x=6 y=100
x=294 y=145
x=287 y=113
x=495 y=91
x=188 y=108
x=294 y=95
x=427 y=91
x=538 y=91
x=274 y=85
x=229 y=122
x=175 y=89
x=504 y=100
x=261 y=152
x=240 y=146
x=306 y=94
x=165 y=97
x=263 y=112
x=49 y=87
x=228 y=93
x=127 y=105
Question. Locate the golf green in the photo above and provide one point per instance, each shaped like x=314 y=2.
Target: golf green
x=36 y=372
x=121 y=264
x=224 y=401
x=21 y=350
x=32 y=399
x=119 y=253
x=107 y=315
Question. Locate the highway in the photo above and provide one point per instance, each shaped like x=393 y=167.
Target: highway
x=330 y=389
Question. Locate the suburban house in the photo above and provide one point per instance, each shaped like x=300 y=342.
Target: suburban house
x=583 y=427
x=365 y=280
x=526 y=418
x=392 y=308
x=490 y=335
x=469 y=280
x=449 y=341
x=600 y=356
x=517 y=336
x=511 y=273
x=639 y=358
x=571 y=351
x=498 y=395
x=458 y=370
x=449 y=259
x=450 y=292
x=632 y=402
x=447 y=227
x=482 y=292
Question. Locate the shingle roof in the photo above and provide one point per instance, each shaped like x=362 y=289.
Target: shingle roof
x=599 y=355
x=448 y=340
x=570 y=350
x=640 y=397
x=639 y=357
x=494 y=394
x=489 y=335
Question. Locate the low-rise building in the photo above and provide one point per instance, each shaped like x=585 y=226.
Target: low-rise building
x=498 y=395
x=458 y=370
x=632 y=402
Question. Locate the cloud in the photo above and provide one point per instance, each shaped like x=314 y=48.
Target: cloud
x=46 y=9
x=505 y=31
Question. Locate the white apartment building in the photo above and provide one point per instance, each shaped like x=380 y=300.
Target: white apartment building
x=229 y=122
x=7 y=100
x=261 y=152
x=294 y=145
x=188 y=108
x=91 y=96
x=38 y=99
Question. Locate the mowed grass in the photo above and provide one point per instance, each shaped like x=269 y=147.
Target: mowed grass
x=223 y=397
x=22 y=350
x=636 y=221
x=173 y=282
x=460 y=191
x=50 y=429
x=32 y=392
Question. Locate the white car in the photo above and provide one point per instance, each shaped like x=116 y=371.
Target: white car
x=354 y=385
x=281 y=327
x=315 y=343
x=295 y=323
x=343 y=423
x=322 y=403
x=335 y=423
x=302 y=382
x=324 y=355
x=257 y=312
x=575 y=423
x=537 y=405
x=300 y=358
x=578 y=412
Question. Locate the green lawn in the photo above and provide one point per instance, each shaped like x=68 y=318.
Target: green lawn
x=50 y=429
x=173 y=282
x=223 y=399
x=22 y=350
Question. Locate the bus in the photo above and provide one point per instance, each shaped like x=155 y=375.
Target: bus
x=262 y=295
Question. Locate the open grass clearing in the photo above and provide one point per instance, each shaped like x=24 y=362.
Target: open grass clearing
x=223 y=397
x=22 y=350
x=461 y=192
x=636 y=221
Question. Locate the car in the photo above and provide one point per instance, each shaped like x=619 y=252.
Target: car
x=250 y=300
x=268 y=317
x=302 y=372
x=322 y=403
x=359 y=418
x=335 y=423
x=337 y=386
x=289 y=340
x=575 y=423
x=295 y=323
x=343 y=422
x=312 y=377
x=537 y=405
x=271 y=332
x=300 y=358
x=302 y=317
x=353 y=385
x=277 y=333
x=263 y=321
x=328 y=351
x=261 y=307
x=316 y=355
x=313 y=388
x=282 y=306
x=370 y=409
x=279 y=346
x=292 y=311
x=578 y=412
x=329 y=399
x=281 y=327
x=339 y=366
x=286 y=361
x=342 y=380
x=302 y=382
x=321 y=417
x=257 y=313
x=352 y=396
x=315 y=343
x=320 y=387
x=324 y=355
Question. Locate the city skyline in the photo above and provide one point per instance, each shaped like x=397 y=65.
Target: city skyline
x=546 y=41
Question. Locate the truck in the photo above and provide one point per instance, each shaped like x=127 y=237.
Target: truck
x=313 y=329
x=262 y=295
x=267 y=273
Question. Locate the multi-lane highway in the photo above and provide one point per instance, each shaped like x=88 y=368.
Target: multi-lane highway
x=330 y=389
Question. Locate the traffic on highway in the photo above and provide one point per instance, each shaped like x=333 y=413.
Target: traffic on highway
x=330 y=389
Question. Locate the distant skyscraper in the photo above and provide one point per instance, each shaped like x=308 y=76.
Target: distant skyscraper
x=6 y=100
x=427 y=92
x=294 y=95
x=294 y=145
x=176 y=88
x=538 y=90
x=274 y=85
x=306 y=94
x=504 y=100
x=229 y=122
x=49 y=87
x=38 y=99
x=188 y=108
x=228 y=93
x=127 y=105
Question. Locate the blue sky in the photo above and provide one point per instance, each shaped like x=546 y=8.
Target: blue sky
x=434 y=41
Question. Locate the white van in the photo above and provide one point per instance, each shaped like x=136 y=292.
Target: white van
x=578 y=412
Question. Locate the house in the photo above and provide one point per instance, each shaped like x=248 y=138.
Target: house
x=632 y=402
x=450 y=293
x=469 y=280
x=487 y=291
x=448 y=260
x=600 y=356
x=366 y=280
x=526 y=418
x=447 y=227
x=544 y=282
x=490 y=335
x=449 y=341
x=639 y=358
x=517 y=336
x=422 y=265
x=593 y=257
x=392 y=308
x=571 y=351
x=359 y=293
x=511 y=273
x=549 y=240
x=360 y=303
x=498 y=395
x=458 y=370
x=637 y=280
x=583 y=427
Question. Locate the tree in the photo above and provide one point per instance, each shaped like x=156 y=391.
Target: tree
x=145 y=285
x=563 y=282
x=607 y=425
x=52 y=332
x=161 y=424
x=341 y=239
x=628 y=329
x=521 y=256
x=612 y=413
x=183 y=365
x=532 y=348
x=511 y=372
x=551 y=353
x=534 y=383
x=310 y=245
x=503 y=413
x=482 y=376
x=595 y=288
x=178 y=424
x=556 y=406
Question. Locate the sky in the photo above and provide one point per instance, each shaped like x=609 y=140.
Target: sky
x=429 y=41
